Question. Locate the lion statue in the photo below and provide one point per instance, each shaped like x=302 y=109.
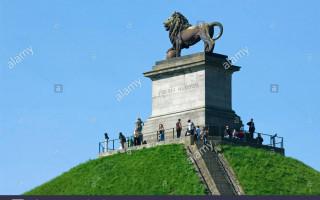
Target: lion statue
x=183 y=35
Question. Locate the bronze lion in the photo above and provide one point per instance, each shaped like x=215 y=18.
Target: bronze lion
x=183 y=35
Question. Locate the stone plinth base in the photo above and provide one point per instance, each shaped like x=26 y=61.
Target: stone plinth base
x=196 y=87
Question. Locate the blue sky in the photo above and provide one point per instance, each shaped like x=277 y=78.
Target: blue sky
x=95 y=48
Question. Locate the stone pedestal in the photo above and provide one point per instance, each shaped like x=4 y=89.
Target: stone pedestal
x=196 y=87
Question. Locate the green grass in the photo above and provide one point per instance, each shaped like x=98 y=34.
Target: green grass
x=262 y=172
x=163 y=170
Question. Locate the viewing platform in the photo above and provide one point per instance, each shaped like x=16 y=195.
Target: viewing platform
x=270 y=142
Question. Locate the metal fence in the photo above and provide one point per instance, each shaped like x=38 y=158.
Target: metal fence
x=268 y=140
x=149 y=137
x=171 y=134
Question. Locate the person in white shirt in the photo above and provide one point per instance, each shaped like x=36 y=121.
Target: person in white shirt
x=190 y=127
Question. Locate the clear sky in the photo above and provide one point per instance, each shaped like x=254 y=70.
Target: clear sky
x=95 y=48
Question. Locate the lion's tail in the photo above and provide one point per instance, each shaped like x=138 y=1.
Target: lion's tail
x=212 y=25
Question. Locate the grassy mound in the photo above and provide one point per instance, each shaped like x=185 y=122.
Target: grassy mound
x=262 y=172
x=163 y=170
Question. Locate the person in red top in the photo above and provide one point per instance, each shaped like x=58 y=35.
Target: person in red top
x=241 y=134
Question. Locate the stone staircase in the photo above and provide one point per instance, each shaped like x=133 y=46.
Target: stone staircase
x=214 y=170
x=217 y=173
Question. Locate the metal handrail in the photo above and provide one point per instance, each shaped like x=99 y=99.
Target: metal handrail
x=104 y=145
x=272 y=139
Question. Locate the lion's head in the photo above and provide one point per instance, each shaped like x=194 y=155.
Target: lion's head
x=176 y=23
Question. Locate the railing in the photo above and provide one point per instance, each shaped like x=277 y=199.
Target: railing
x=272 y=141
x=111 y=145
x=149 y=137
x=171 y=134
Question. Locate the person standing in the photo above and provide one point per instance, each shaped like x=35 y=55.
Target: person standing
x=202 y=134
x=234 y=133
x=198 y=132
x=136 y=138
x=252 y=129
x=241 y=133
x=161 y=132
x=122 y=139
x=259 y=139
x=228 y=132
x=106 y=141
x=130 y=142
x=191 y=128
x=178 y=128
x=139 y=125
x=205 y=133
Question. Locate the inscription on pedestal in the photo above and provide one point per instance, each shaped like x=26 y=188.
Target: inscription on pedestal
x=174 y=94
x=177 y=89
